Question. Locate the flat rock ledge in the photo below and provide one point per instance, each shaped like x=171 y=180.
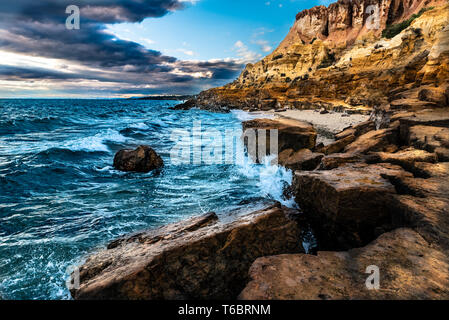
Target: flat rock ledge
x=409 y=268
x=200 y=258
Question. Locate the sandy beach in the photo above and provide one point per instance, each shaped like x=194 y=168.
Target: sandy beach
x=327 y=124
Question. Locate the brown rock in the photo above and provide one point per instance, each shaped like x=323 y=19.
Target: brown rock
x=409 y=269
x=373 y=141
x=292 y=134
x=405 y=158
x=301 y=160
x=201 y=258
x=427 y=170
x=435 y=95
x=420 y=187
x=337 y=146
x=364 y=127
x=432 y=139
x=428 y=216
x=337 y=160
x=431 y=118
x=346 y=206
x=412 y=104
x=345 y=133
x=143 y=159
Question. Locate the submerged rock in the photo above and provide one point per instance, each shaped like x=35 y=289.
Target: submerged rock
x=143 y=159
x=409 y=268
x=201 y=258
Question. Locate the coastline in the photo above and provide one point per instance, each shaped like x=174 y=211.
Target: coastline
x=381 y=201
x=374 y=191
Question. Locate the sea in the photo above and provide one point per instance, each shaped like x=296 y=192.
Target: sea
x=61 y=199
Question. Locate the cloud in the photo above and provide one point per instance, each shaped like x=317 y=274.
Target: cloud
x=264 y=45
x=186 y=52
x=37 y=29
x=245 y=54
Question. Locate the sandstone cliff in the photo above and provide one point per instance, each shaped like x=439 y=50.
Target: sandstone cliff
x=348 y=56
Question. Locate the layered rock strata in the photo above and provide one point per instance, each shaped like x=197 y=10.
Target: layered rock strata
x=336 y=58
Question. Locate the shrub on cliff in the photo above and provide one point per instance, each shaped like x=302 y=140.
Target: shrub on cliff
x=394 y=29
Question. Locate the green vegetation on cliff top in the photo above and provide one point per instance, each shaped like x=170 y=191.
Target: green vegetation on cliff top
x=394 y=29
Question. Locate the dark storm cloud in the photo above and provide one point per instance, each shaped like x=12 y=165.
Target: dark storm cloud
x=18 y=73
x=38 y=28
x=221 y=70
x=101 y=11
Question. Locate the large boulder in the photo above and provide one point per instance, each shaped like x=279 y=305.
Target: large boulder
x=300 y=160
x=143 y=159
x=409 y=268
x=423 y=203
x=201 y=258
x=292 y=134
x=427 y=215
x=348 y=206
x=427 y=170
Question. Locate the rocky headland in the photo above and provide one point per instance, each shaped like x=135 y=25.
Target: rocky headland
x=376 y=194
x=336 y=58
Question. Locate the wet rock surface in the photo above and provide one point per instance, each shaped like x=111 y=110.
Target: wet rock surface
x=291 y=134
x=144 y=159
x=303 y=159
x=201 y=258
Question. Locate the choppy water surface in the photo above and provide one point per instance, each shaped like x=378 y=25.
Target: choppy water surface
x=60 y=198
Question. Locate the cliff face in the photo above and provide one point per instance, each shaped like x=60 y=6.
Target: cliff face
x=353 y=54
x=346 y=20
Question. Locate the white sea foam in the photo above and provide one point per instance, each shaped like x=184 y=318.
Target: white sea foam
x=272 y=179
x=246 y=116
x=139 y=126
x=96 y=142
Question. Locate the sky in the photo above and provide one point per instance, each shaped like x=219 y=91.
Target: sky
x=135 y=47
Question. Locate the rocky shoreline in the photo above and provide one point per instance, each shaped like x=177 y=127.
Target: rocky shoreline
x=384 y=198
x=377 y=194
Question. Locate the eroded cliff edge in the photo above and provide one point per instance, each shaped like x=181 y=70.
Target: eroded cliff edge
x=346 y=57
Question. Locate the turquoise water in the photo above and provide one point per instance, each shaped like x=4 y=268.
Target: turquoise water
x=60 y=198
